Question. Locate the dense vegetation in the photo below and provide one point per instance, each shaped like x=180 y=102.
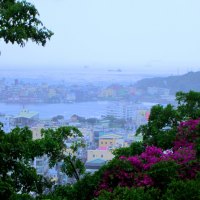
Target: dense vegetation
x=18 y=179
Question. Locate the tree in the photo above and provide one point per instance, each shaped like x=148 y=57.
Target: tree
x=183 y=190
x=54 y=144
x=129 y=193
x=57 y=118
x=17 y=150
x=16 y=173
x=161 y=127
x=19 y=22
x=163 y=121
x=188 y=104
x=135 y=148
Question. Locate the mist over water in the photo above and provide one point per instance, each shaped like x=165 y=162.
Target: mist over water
x=80 y=75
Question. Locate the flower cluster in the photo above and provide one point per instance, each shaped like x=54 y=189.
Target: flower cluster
x=188 y=132
x=183 y=154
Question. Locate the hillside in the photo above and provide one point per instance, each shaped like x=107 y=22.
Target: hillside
x=186 y=82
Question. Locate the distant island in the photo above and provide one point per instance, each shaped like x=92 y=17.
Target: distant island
x=115 y=70
x=185 y=83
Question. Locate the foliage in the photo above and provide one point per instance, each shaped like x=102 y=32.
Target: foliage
x=60 y=193
x=19 y=22
x=188 y=105
x=124 y=193
x=82 y=189
x=56 y=140
x=162 y=126
x=183 y=190
x=21 y=197
x=17 y=151
x=135 y=148
x=163 y=173
x=57 y=118
x=155 y=167
x=188 y=135
x=15 y=170
x=73 y=166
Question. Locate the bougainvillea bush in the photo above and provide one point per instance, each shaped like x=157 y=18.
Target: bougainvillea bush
x=155 y=167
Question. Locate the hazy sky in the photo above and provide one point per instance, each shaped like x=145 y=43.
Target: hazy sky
x=150 y=34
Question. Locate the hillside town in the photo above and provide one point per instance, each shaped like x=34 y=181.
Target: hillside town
x=18 y=92
x=101 y=135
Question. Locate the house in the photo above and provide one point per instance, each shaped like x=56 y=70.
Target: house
x=111 y=140
x=100 y=153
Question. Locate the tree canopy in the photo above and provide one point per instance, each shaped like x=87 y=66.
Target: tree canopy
x=19 y=22
x=162 y=125
x=18 y=150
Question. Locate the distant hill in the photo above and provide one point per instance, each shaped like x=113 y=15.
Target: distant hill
x=186 y=82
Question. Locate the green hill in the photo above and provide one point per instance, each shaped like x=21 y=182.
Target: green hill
x=186 y=82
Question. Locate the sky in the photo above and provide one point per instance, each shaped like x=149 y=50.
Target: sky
x=142 y=35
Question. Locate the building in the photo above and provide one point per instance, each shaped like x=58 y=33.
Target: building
x=94 y=165
x=101 y=153
x=41 y=165
x=122 y=110
x=26 y=118
x=36 y=132
x=111 y=141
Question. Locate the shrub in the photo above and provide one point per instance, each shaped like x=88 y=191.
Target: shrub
x=183 y=190
x=124 y=193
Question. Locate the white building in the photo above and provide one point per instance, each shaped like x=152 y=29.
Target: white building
x=41 y=165
x=122 y=110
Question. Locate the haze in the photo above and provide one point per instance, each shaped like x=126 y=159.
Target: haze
x=141 y=35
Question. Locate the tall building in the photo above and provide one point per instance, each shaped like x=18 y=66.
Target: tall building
x=122 y=110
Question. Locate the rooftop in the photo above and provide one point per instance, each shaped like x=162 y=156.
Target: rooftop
x=95 y=163
x=110 y=136
x=26 y=114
